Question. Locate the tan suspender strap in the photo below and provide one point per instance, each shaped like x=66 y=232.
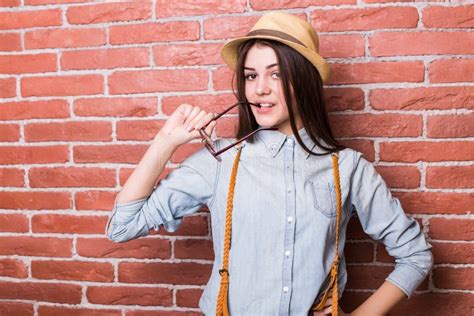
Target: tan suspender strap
x=335 y=264
x=222 y=308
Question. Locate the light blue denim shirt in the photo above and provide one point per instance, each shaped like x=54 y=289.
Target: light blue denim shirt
x=283 y=223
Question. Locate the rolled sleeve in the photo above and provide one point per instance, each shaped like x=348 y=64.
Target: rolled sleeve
x=383 y=218
x=184 y=191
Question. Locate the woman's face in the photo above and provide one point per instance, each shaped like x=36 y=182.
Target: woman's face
x=263 y=85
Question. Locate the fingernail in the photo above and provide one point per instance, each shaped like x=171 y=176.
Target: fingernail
x=190 y=128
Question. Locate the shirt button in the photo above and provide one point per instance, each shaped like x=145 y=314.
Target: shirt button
x=290 y=219
x=285 y=289
x=287 y=253
x=289 y=191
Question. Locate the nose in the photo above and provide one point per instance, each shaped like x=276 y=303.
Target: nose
x=262 y=86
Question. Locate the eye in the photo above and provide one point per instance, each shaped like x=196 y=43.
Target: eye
x=276 y=74
x=250 y=76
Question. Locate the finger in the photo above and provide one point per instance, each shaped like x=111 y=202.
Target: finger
x=195 y=111
x=206 y=119
x=210 y=128
x=196 y=120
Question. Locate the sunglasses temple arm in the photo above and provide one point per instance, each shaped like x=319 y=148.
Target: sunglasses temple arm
x=237 y=142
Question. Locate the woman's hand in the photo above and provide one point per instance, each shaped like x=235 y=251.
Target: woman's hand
x=182 y=126
x=327 y=310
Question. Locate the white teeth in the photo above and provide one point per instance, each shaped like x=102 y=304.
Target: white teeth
x=266 y=105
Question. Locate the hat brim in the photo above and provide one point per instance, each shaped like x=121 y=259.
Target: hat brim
x=229 y=53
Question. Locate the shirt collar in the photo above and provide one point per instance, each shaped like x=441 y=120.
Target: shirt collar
x=274 y=140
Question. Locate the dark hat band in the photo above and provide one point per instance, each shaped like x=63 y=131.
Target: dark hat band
x=275 y=33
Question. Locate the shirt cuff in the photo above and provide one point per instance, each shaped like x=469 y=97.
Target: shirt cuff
x=406 y=278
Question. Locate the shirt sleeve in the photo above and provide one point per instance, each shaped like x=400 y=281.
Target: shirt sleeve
x=184 y=191
x=383 y=218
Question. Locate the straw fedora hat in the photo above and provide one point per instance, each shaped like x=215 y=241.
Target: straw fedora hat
x=287 y=29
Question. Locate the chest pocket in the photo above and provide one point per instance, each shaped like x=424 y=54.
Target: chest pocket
x=324 y=198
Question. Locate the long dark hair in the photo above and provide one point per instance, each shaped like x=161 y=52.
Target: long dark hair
x=297 y=72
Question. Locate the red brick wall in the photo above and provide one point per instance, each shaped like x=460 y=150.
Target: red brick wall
x=84 y=87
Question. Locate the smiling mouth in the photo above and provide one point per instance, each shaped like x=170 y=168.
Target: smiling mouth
x=264 y=105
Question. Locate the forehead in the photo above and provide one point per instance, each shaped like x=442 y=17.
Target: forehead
x=259 y=56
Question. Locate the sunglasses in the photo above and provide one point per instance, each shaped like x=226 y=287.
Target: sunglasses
x=206 y=138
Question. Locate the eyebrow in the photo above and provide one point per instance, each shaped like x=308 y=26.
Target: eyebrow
x=269 y=66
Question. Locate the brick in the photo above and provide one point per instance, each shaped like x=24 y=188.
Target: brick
x=62 y=85
x=420 y=43
x=94 y=200
x=436 y=202
x=65 y=38
x=453 y=278
x=429 y=98
x=35 y=200
x=141 y=248
x=43 y=292
x=456 y=253
x=366 y=277
x=128 y=295
x=7 y=87
x=28 y=63
x=69 y=131
x=71 y=177
x=72 y=270
x=451 y=229
x=460 y=126
x=341 y=46
x=109 y=153
x=14 y=308
x=27 y=19
x=44 y=310
x=188 y=297
x=377 y=72
x=451 y=70
x=187 y=54
x=162 y=313
x=9 y=132
x=158 y=81
x=138 y=130
x=116 y=107
x=426 y=151
x=197 y=7
x=154 y=32
x=167 y=273
x=35 y=246
x=376 y=125
x=341 y=99
x=68 y=224
x=22 y=110
x=184 y=151
x=222 y=79
x=10 y=42
x=228 y=26
x=278 y=4
x=10 y=3
x=364 y=19
x=13 y=268
x=444 y=17
x=40 y=2
x=194 y=249
x=366 y=147
x=450 y=177
x=109 y=12
x=216 y=103
x=15 y=223
x=406 y=177
x=105 y=58
x=359 y=252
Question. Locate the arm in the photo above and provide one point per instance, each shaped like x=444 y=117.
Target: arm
x=382 y=217
x=182 y=192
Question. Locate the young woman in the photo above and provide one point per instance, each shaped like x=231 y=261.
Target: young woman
x=280 y=200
